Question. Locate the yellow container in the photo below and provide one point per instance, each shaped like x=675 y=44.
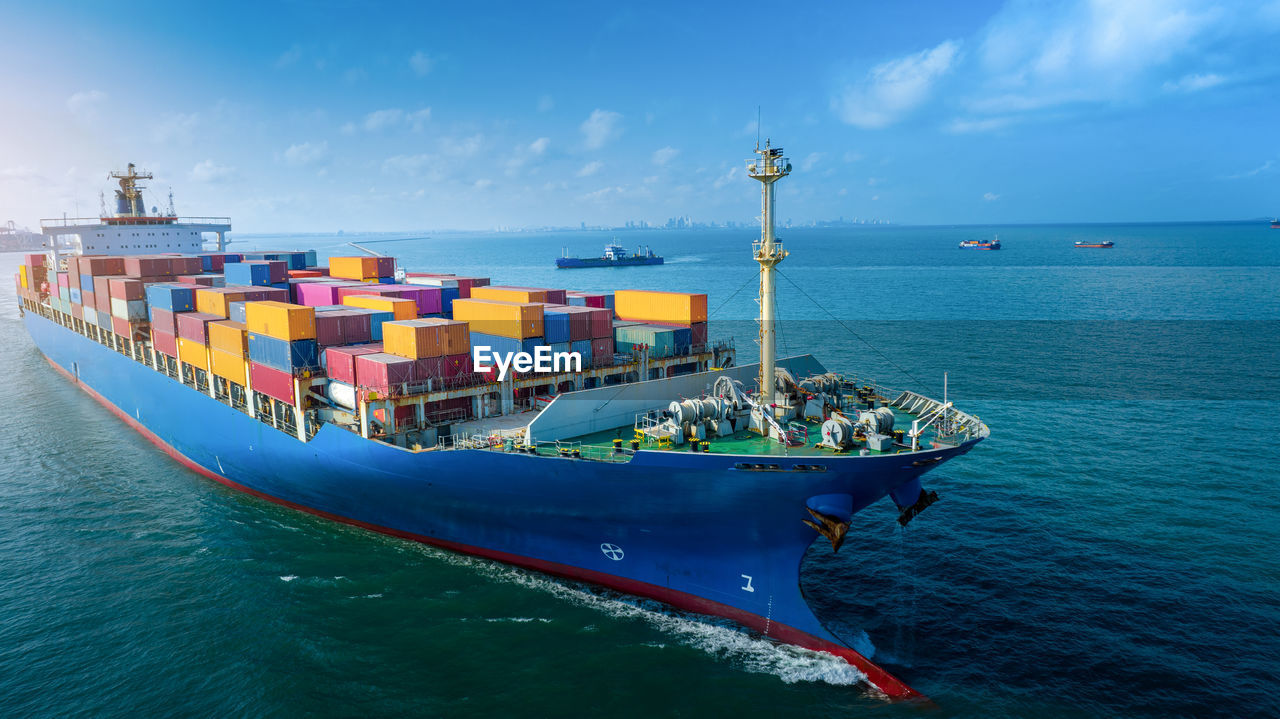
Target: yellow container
x=456 y=336
x=509 y=294
x=193 y=353
x=353 y=268
x=413 y=339
x=676 y=308
x=401 y=309
x=22 y=277
x=217 y=300
x=281 y=320
x=231 y=367
x=519 y=320
x=229 y=336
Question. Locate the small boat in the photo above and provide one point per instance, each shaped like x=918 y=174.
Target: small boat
x=1275 y=224
x=614 y=256
x=1105 y=244
x=981 y=244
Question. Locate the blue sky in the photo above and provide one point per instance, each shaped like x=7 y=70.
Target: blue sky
x=370 y=116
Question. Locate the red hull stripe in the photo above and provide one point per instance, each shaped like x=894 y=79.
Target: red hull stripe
x=881 y=679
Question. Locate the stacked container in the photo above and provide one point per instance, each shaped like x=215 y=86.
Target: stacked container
x=400 y=309
x=229 y=351
x=364 y=269
x=282 y=346
x=503 y=319
x=504 y=293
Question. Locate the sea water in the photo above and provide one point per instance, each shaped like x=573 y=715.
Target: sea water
x=1111 y=550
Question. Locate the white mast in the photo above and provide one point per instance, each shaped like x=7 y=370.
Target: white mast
x=770 y=167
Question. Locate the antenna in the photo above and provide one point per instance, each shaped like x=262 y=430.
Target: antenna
x=757 y=127
x=172 y=212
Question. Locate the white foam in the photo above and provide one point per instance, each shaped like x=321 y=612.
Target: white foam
x=713 y=635
x=288 y=578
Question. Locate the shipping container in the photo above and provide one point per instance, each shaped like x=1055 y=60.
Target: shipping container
x=35 y=259
x=600 y=300
x=497 y=344
x=661 y=341
x=340 y=362
x=126 y=288
x=507 y=319
x=229 y=337
x=376 y=318
x=86 y=282
x=446 y=367
x=257 y=273
x=170 y=296
x=101 y=265
x=602 y=349
x=76 y=296
x=193 y=353
x=144 y=266
x=271 y=381
x=215 y=300
x=417 y=339
x=90 y=315
x=194 y=325
x=354 y=268
x=294 y=356
x=399 y=308
x=456 y=337
x=235 y=311
x=583 y=348
x=383 y=373
x=214 y=261
x=230 y=366
x=162 y=320
x=281 y=320
x=698 y=333
x=129 y=310
x=505 y=293
x=682 y=308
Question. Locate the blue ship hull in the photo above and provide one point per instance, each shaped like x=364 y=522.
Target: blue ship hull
x=686 y=529
x=566 y=263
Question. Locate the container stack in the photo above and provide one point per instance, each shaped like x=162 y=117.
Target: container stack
x=364 y=269
x=671 y=323
x=229 y=351
x=400 y=309
x=282 y=347
x=505 y=293
x=503 y=327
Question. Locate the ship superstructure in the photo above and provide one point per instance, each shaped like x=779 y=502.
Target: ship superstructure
x=658 y=467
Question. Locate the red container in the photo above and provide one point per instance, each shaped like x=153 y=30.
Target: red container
x=194 y=325
x=101 y=289
x=357 y=327
x=386 y=266
x=125 y=288
x=64 y=280
x=185 y=265
x=124 y=328
x=300 y=274
x=442 y=367
x=340 y=362
x=601 y=322
x=272 y=382
x=164 y=321
x=202 y=280
x=601 y=349
x=145 y=266
x=698 y=330
x=33 y=260
x=383 y=373
x=101 y=265
x=329 y=326
x=77 y=311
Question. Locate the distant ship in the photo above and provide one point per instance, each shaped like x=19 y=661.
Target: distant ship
x=614 y=256
x=981 y=244
x=12 y=238
x=1275 y=224
x=1105 y=244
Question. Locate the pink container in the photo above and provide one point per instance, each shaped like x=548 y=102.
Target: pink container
x=202 y=280
x=272 y=382
x=445 y=367
x=340 y=362
x=164 y=321
x=329 y=326
x=164 y=342
x=145 y=266
x=194 y=325
x=383 y=373
x=601 y=348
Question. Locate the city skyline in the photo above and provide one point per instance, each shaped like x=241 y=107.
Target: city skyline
x=334 y=116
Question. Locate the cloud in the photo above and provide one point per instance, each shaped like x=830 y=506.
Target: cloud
x=421 y=63
x=1194 y=82
x=290 y=56
x=990 y=196
x=539 y=146
x=1260 y=169
x=892 y=89
x=810 y=161
x=726 y=178
x=665 y=155
x=176 y=127
x=524 y=154
x=600 y=128
x=86 y=102
x=394 y=117
x=590 y=168
x=960 y=125
x=306 y=153
x=483 y=184
x=210 y=171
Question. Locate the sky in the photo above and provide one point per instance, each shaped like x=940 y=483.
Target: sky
x=321 y=116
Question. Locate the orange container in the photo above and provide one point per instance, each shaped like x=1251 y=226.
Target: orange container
x=674 y=308
x=193 y=353
x=456 y=335
x=400 y=309
x=281 y=320
x=231 y=367
x=413 y=339
x=217 y=300
x=353 y=268
x=22 y=277
x=509 y=294
x=230 y=337
x=518 y=320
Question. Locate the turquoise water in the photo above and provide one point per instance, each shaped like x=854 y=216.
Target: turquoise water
x=1110 y=551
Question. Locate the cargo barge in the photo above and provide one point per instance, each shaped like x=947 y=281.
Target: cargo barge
x=1105 y=244
x=980 y=244
x=615 y=255
x=658 y=468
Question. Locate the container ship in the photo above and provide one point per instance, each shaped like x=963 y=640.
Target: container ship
x=656 y=466
x=615 y=255
x=993 y=244
x=1103 y=245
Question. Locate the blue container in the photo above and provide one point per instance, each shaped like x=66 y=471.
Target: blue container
x=310 y=258
x=577 y=301
x=292 y=357
x=555 y=326
x=237 y=312
x=174 y=298
x=560 y=347
x=216 y=279
x=280 y=285
x=447 y=296
x=294 y=260
x=583 y=348
x=243 y=273
x=386 y=280
x=684 y=339
x=86 y=283
x=76 y=295
x=104 y=320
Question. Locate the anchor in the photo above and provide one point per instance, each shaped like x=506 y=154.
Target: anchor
x=830 y=527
